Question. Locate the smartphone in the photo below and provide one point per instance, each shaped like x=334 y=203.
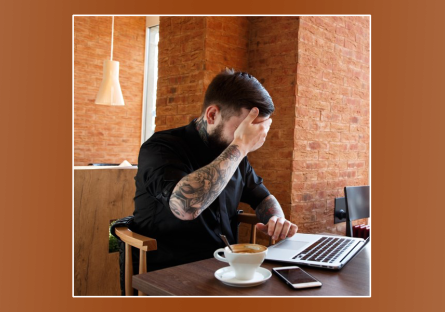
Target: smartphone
x=296 y=278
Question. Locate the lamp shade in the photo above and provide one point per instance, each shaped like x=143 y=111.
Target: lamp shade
x=110 y=92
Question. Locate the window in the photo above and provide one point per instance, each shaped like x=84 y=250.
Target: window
x=150 y=82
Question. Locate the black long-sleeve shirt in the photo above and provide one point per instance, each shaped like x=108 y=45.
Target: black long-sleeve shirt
x=164 y=160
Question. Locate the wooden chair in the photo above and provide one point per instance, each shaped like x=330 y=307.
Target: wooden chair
x=140 y=242
x=145 y=244
x=250 y=218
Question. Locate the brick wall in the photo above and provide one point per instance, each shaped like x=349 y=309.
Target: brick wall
x=331 y=146
x=273 y=61
x=192 y=50
x=181 y=69
x=227 y=41
x=106 y=133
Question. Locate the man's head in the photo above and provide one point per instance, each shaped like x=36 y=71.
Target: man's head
x=228 y=99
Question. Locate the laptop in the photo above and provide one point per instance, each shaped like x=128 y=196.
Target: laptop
x=324 y=251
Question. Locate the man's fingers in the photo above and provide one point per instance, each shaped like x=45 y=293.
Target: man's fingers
x=268 y=123
x=275 y=226
x=285 y=229
x=282 y=228
x=271 y=225
x=293 y=229
x=252 y=115
x=262 y=227
x=278 y=228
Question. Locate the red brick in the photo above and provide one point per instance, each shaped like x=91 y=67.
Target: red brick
x=339 y=164
x=348 y=174
x=348 y=155
x=349 y=137
x=328 y=116
x=323 y=126
x=339 y=127
x=315 y=145
x=329 y=136
x=356 y=164
x=338 y=146
x=308 y=113
x=329 y=155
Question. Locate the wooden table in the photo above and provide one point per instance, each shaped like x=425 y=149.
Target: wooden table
x=197 y=279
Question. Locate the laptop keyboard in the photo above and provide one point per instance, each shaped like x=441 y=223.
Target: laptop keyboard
x=326 y=249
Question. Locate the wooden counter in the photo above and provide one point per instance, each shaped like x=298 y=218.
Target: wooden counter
x=100 y=195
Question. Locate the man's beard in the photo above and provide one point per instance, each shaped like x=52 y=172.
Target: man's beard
x=216 y=141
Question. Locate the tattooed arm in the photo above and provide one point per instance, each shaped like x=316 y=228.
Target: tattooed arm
x=274 y=224
x=196 y=191
x=268 y=208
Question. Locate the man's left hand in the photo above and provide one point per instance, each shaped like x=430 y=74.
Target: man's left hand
x=278 y=228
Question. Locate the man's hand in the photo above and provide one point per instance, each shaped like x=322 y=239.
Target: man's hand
x=278 y=227
x=250 y=136
x=269 y=211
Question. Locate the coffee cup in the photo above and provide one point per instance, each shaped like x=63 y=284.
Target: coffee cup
x=244 y=259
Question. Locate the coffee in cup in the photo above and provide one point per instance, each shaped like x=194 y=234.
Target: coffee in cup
x=244 y=259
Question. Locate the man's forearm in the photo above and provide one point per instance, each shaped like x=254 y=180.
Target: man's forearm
x=273 y=222
x=268 y=208
x=196 y=191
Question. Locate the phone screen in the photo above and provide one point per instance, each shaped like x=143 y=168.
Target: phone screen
x=296 y=276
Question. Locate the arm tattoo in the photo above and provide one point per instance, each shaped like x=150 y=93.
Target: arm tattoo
x=196 y=191
x=268 y=208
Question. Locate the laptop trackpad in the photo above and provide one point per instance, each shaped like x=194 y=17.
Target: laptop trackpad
x=294 y=245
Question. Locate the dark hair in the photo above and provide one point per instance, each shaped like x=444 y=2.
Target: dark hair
x=231 y=91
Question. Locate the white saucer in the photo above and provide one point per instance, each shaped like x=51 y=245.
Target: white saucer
x=227 y=276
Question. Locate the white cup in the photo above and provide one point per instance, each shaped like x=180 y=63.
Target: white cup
x=245 y=259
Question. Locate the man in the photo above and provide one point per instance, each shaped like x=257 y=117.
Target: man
x=190 y=180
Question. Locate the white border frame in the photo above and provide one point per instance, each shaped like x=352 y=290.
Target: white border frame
x=370 y=152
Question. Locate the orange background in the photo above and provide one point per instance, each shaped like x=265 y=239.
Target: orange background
x=407 y=156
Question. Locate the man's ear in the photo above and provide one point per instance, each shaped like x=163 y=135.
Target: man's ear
x=211 y=113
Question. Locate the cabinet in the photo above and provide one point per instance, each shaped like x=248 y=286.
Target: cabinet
x=100 y=195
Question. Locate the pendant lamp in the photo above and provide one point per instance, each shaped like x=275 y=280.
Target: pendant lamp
x=110 y=92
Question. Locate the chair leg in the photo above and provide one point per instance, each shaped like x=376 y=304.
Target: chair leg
x=253 y=234
x=128 y=270
x=142 y=266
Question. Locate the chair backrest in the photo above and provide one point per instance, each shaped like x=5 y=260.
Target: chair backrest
x=252 y=220
x=136 y=240
x=357 y=205
x=140 y=242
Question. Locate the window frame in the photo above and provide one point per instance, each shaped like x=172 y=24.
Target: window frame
x=150 y=82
